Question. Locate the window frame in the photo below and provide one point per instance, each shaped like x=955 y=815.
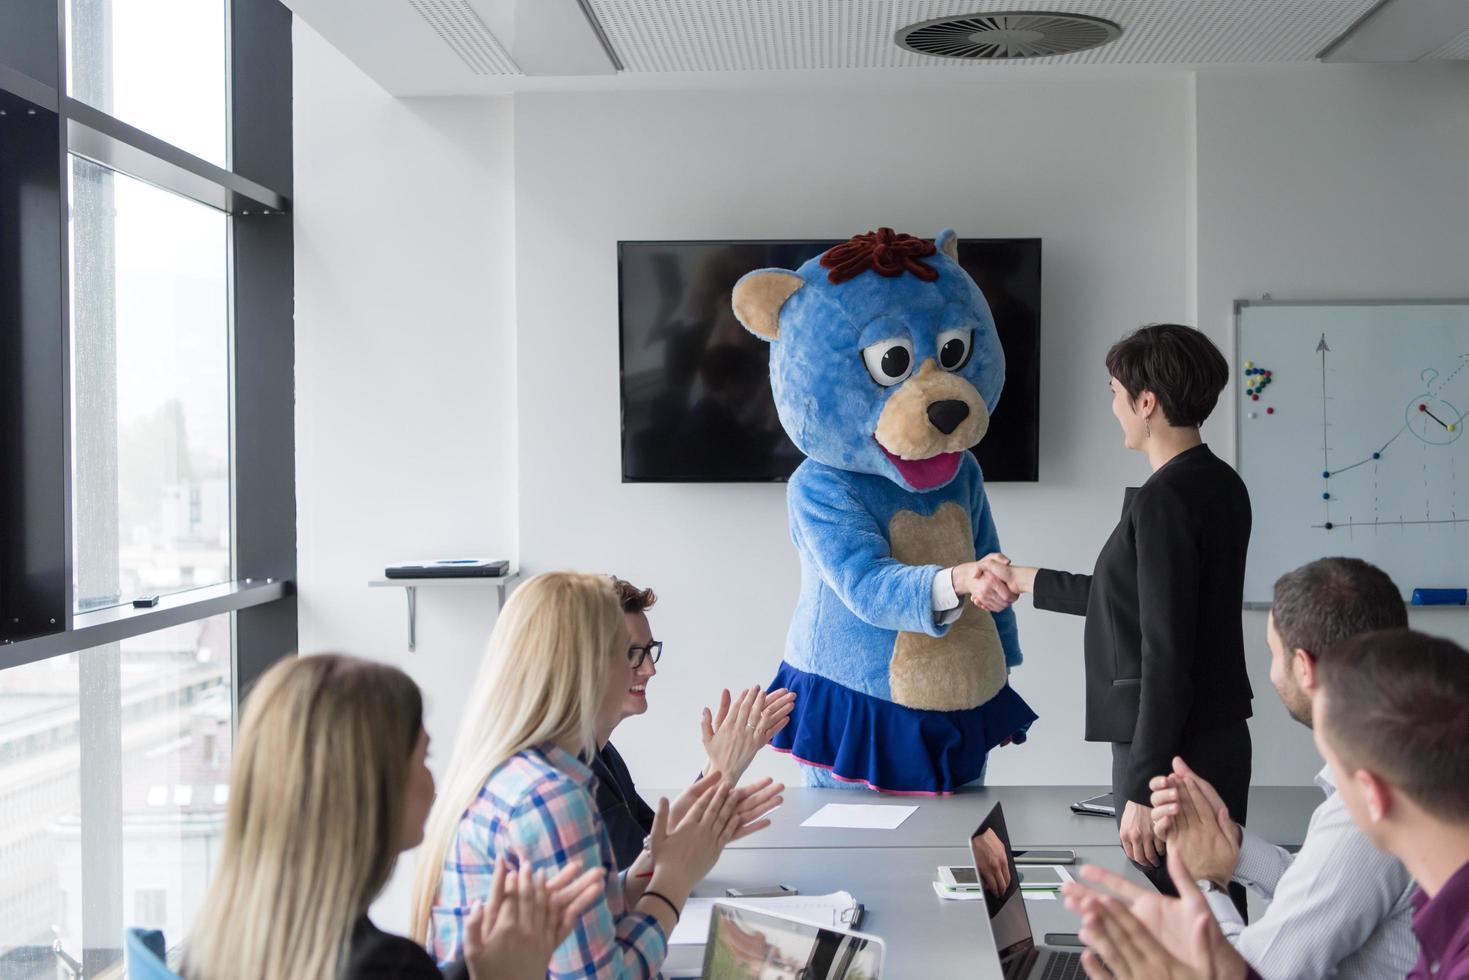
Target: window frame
x=255 y=193
x=37 y=558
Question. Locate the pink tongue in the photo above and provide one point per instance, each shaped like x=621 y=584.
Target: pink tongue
x=921 y=474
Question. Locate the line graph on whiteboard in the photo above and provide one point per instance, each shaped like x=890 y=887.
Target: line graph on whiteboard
x=1351 y=422
x=1421 y=447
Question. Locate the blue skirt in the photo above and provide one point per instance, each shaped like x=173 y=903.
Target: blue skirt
x=890 y=748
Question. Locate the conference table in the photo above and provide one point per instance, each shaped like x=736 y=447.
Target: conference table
x=891 y=871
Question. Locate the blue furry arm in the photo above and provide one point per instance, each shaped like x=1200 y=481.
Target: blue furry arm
x=836 y=532
x=987 y=542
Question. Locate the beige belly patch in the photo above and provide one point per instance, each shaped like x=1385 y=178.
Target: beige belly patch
x=966 y=666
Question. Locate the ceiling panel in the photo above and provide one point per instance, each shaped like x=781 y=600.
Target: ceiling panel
x=774 y=35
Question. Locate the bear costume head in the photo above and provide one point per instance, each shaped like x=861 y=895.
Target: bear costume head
x=884 y=356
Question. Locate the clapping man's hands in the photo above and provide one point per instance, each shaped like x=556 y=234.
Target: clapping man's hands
x=1143 y=935
x=1188 y=813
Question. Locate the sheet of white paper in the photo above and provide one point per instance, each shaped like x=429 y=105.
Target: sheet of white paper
x=949 y=895
x=822 y=910
x=1039 y=896
x=860 y=816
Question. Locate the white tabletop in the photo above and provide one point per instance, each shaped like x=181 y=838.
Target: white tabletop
x=1037 y=816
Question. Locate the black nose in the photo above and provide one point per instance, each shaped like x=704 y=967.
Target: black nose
x=946 y=415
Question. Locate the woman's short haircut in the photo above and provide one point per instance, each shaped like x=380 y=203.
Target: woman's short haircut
x=1322 y=603
x=633 y=599
x=1178 y=364
x=1396 y=706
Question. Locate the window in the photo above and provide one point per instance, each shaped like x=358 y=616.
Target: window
x=158 y=65
x=40 y=785
x=146 y=449
x=150 y=389
x=152 y=755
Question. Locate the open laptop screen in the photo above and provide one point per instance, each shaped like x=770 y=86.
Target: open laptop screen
x=1008 y=917
x=744 y=945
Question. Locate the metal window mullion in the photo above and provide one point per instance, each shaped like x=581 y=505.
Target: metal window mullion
x=95 y=517
x=100 y=774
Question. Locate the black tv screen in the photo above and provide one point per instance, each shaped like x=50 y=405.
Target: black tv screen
x=696 y=402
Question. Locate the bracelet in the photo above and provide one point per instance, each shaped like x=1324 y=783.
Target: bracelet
x=650 y=893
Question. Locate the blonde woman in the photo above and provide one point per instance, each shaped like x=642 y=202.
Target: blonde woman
x=519 y=790
x=328 y=785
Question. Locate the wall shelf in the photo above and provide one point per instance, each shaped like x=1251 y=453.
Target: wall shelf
x=412 y=585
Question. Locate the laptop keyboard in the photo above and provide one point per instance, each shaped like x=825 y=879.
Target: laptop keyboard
x=1063 y=966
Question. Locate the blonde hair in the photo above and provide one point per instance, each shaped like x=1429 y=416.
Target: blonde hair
x=540 y=681
x=314 y=821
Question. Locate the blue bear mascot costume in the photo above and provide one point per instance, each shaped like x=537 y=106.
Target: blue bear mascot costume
x=885 y=366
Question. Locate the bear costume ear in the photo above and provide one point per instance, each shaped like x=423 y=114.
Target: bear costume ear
x=948 y=243
x=758 y=297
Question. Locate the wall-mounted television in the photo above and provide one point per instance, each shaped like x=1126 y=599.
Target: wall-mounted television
x=696 y=402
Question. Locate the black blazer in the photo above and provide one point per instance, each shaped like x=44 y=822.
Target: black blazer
x=377 y=955
x=1164 y=639
x=628 y=819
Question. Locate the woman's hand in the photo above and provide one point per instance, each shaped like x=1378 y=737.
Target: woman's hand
x=1140 y=841
x=683 y=852
x=739 y=731
x=528 y=916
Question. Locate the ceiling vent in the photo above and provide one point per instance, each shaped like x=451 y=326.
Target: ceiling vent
x=1007 y=36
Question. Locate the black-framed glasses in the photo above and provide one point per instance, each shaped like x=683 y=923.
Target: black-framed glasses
x=636 y=655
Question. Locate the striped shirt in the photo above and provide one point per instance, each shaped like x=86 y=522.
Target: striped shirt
x=539 y=807
x=1339 y=907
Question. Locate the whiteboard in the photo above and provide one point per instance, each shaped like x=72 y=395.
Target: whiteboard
x=1350 y=419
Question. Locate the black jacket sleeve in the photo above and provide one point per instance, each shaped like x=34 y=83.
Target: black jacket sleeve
x=1170 y=573
x=1061 y=591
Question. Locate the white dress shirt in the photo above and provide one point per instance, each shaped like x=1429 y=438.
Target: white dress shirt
x=1338 y=908
x=946 y=604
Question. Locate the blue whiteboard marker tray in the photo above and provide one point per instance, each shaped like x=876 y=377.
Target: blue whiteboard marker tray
x=1440 y=597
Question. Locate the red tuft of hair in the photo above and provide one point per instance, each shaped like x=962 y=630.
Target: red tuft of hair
x=884 y=251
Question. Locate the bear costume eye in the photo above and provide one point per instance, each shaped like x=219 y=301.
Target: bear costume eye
x=889 y=361
x=955 y=347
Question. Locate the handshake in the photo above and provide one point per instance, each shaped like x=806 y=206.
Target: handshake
x=992 y=583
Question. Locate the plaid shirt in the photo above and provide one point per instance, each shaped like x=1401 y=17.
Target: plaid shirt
x=539 y=807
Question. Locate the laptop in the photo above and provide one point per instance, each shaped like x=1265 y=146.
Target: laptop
x=1020 y=957
x=744 y=943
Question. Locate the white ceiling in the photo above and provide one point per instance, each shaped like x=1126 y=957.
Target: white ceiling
x=465 y=47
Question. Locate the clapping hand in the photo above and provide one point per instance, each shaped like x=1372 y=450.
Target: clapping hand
x=1143 y=935
x=528 y=916
x=1189 y=814
x=740 y=730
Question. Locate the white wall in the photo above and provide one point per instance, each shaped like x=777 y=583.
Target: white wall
x=1328 y=182
x=405 y=379
x=1099 y=172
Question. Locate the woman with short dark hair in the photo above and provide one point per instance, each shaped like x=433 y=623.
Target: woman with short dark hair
x=1164 y=644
